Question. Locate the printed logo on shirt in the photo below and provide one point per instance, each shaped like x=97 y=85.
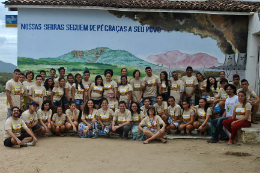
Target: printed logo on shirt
x=163 y=86
x=104 y=118
x=98 y=89
x=151 y=82
x=136 y=119
x=58 y=122
x=48 y=93
x=172 y=113
x=86 y=87
x=17 y=90
x=90 y=117
x=186 y=118
x=152 y=124
x=44 y=118
x=121 y=120
x=223 y=96
x=28 y=88
x=203 y=87
x=240 y=111
x=38 y=93
x=16 y=128
x=60 y=94
x=202 y=115
x=189 y=83
x=123 y=92
x=80 y=90
x=174 y=87
x=248 y=97
x=107 y=86
x=137 y=87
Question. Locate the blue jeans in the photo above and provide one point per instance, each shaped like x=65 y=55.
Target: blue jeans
x=122 y=130
x=217 y=123
x=9 y=113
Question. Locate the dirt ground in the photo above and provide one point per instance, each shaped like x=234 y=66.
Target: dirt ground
x=72 y=154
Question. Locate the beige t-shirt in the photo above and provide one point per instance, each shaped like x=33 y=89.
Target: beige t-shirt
x=151 y=88
x=107 y=86
x=152 y=123
x=28 y=86
x=69 y=87
x=123 y=91
x=78 y=92
x=137 y=88
x=186 y=115
x=136 y=118
x=144 y=110
x=121 y=118
x=28 y=117
x=159 y=109
x=113 y=105
x=48 y=94
x=250 y=94
x=15 y=126
x=203 y=88
x=164 y=88
x=214 y=91
x=237 y=86
x=241 y=111
x=89 y=117
x=96 y=92
x=70 y=114
x=176 y=88
x=174 y=111
x=58 y=119
x=44 y=115
x=222 y=94
x=15 y=89
x=56 y=80
x=59 y=92
x=38 y=93
x=189 y=84
x=118 y=80
x=202 y=114
x=86 y=85
x=106 y=116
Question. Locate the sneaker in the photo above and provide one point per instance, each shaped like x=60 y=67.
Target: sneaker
x=30 y=143
x=230 y=142
x=212 y=140
x=223 y=138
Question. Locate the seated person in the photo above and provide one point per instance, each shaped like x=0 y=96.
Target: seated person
x=72 y=115
x=13 y=126
x=44 y=116
x=161 y=108
x=187 y=118
x=174 y=114
x=236 y=81
x=58 y=121
x=153 y=123
x=137 y=117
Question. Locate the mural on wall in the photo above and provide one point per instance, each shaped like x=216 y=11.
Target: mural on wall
x=165 y=41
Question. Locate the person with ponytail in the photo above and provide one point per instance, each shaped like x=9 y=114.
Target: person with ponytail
x=241 y=117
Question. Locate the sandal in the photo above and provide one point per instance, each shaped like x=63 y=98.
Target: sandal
x=145 y=142
x=254 y=122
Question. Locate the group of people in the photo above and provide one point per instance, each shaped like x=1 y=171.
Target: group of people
x=146 y=108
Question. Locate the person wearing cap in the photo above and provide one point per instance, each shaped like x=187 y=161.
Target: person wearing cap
x=109 y=84
x=219 y=102
x=13 y=127
x=31 y=119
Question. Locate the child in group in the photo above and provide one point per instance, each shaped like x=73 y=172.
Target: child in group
x=58 y=121
x=147 y=104
x=72 y=115
x=44 y=116
x=187 y=118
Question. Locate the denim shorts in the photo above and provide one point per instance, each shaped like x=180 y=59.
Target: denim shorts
x=57 y=103
x=65 y=100
x=79 y=102
x=97 y=102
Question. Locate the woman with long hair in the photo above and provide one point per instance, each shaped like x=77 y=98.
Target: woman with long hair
x=48 y=84
x=137 y=117
x=78 y=92
x=68 y=90
x=187 y=118
x=96 y=90
x=125 y=91
x=57 y=94
x=136 y=84
x=203 y=93
x=109 y=84
x=241 y=117
x=44 y=115
x=164 y=85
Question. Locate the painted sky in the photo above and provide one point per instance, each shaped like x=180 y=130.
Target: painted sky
x=38 y=44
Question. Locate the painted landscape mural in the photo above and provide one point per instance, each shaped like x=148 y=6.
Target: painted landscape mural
x=164 y=41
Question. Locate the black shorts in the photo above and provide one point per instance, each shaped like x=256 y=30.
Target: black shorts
x=8 y=143
x=97 y=102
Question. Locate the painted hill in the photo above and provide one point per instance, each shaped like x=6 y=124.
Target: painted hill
x=102 y=55
x=176 y=59
x=7 y=67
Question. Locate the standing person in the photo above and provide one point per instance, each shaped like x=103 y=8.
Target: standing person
x=174 y=118
x=31 y=120
x=57 y=94
x=28 y=84
x=121 y=121
x=86 y=82
x=43 y=74
x=48 y=84
x=146 y=105
x=153 y=123
x=89 y=118
x=222 y=75
x=212 y=86
x=177 y=88
x=78 y=93
x=137 y=117
x=123 y=73
x=161 y=108
x=164 y=85
x=241 y=117
x=125 y=91
x=52 y=73
x=96 y=90
x=202 y=86
x=251 y=97
x=203 y=112
x=58 y=121
x=187 y=118
x=62 y=75
x=13 y=92
x=228 y=113
x=236 y=81
x=109 y=83
x=190 y=86
x=68 y=90
x=44 y=116
x=151 y=83
x=105 y=116
x=112 y=101
x=37 y=92
x=23 y=90
x=72 y=115
x=13 y=127
x=136 y=84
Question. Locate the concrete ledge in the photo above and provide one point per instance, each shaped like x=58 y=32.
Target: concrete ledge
x=172 y=136
x=250 y=135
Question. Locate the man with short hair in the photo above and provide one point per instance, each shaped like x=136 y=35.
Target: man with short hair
x=31 y=119
x=52 y=73
x=62 y=75
x=177 y=87
x=86 y=83
x=121 y=121
x=151 y=84
x=146 y=105
x=13 y=92
x=190 y=85
x=236 y=81
x=161 y=108
x=37 y=93
x=43 y=74
x=13 y=126
x=222 y=75
x=252 y=98
x=229 y=109
x=174 y=114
